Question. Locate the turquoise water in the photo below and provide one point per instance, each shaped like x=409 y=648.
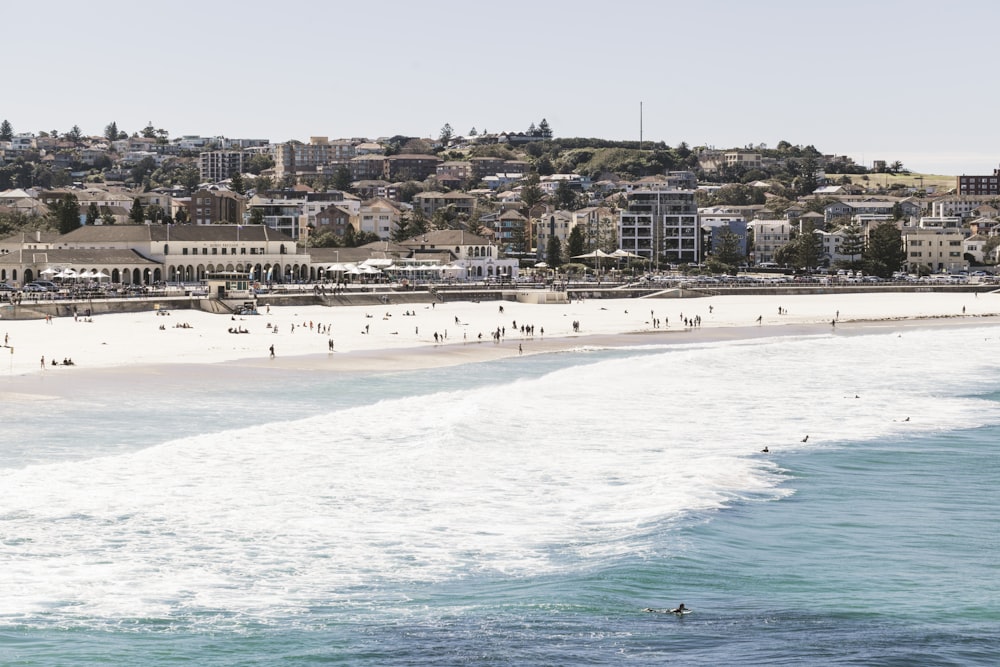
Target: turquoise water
x=518 y=513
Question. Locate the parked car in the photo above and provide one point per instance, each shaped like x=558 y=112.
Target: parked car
x=4 y=287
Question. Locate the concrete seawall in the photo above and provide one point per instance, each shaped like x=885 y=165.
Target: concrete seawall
x=29 y=310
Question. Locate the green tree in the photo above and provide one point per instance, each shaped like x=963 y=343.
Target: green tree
x=137 y=214
x=107 y=218
x=258 y=163
x=553 y=251
x=446 y=134
x=544 y=130
x=989 y=248
x=566 y=198
x=727 y=250
x=181 y=217
x=808 y=248
x=544 y=166
x=853 y=245
x=92 y=214
x=342 y=179
x=111 y=131
x=155 y=213
x=884 y=253
x=236 y=181
x=575 y=243
x=149 y=132
x=256 y=216
x=531 y=192
x=74 y=134
x=472 y=132
x=66 y=211
x=142 y=169
x=6 y=131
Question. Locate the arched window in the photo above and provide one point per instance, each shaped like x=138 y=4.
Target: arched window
x=166 y=249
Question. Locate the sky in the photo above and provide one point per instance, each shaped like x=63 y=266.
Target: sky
x=870 y=79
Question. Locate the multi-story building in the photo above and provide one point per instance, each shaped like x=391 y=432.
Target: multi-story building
x=980 y=185
x=510 y=231
x=717 y=226
x=283 y=215
x=960 y=205
x=661 y=225
x=380 y=217
x=599 y=225
x=768 y=236
x=934 y=248
x=556 y=224
x=460 y=169
x=295 y=158
x=410 y=167
x=335 y=219
x=367 y=167
x=211 y=206
x=429 y=202
x=215 y=166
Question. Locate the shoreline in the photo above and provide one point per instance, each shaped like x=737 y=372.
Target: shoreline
x=395 y=338
x=175 y=376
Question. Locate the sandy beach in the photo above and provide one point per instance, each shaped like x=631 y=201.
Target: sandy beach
x=406 y=337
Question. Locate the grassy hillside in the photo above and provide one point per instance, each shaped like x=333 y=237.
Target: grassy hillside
x=943 y=183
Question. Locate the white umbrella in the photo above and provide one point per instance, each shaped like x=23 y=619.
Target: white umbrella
x=48 y=272
x=541 y=265
x=100 y=275
x=592 y=254
x=624 y=253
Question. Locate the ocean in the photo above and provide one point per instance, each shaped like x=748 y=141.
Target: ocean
x=521 y=512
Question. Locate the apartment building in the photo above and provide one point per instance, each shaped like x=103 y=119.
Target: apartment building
x=979 y=185
x=934 y=248
x=215 y=166
x=661 y=225
x=212 y=206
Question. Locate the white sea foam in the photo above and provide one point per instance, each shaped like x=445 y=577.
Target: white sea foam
x=517 y=478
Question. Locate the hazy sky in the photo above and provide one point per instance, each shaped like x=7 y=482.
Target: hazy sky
x=891 y=80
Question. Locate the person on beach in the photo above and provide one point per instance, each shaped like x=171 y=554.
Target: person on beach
x=43 y=362
x=272 y=351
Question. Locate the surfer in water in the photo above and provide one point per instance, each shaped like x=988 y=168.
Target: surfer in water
x=679 y=610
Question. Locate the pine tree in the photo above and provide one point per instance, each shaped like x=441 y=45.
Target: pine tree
x=6 y=131
x=111 y=131
x=544 y=130
x=553 y=251
x=884 y=254
x=67 y=213
x=853 y=245
x=137 y=214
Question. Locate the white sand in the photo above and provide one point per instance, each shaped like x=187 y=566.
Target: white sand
x=383 y=337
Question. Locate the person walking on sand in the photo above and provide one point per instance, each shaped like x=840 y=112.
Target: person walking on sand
x=272 y=351
x=43 y=362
